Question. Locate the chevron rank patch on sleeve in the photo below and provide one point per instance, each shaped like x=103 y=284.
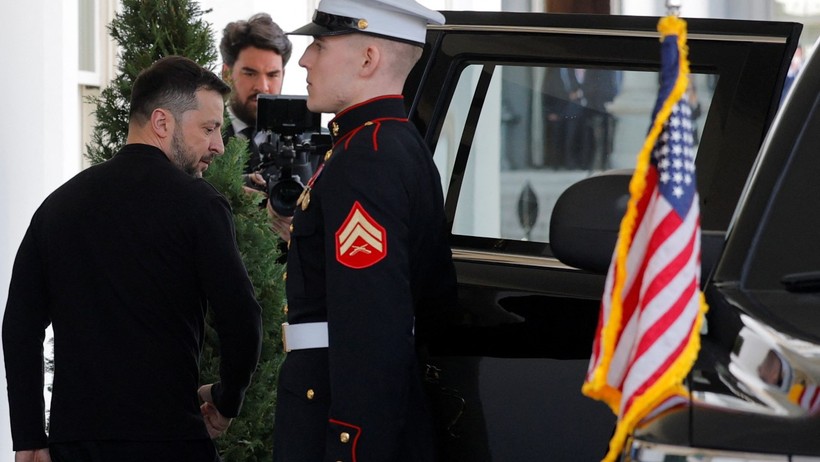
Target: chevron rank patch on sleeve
x=361 y=241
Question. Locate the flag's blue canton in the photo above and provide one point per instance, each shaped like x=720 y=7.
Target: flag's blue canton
x=674 y=157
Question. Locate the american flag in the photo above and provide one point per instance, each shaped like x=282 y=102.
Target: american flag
x=806 y=396
x=652 y=307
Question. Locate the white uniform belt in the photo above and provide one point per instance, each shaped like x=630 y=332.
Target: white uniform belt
x=304 y=335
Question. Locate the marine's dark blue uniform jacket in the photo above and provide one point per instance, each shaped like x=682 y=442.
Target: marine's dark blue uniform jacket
x=368 y=253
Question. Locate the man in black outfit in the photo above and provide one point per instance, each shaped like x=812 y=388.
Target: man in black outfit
x=121 y=261
x=369 y=260
x=254 y=55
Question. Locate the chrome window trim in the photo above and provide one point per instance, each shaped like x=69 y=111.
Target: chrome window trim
x=600 y=32
x=643 y=451
x=481 y=256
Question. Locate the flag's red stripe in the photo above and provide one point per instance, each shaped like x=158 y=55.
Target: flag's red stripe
x=606 y=301
x=670 y=360
x=675 y=265
x=661 y=327
x=667 y=226
x=648 y=337
x=631 y=293
x=656 y=331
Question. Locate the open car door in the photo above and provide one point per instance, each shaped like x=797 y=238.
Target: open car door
x=518 y=107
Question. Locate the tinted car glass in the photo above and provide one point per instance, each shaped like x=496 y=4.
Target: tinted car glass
x=540 y=130
x=788 y=221
x=720 y=59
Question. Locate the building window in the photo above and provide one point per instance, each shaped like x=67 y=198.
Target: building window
x=89 y=42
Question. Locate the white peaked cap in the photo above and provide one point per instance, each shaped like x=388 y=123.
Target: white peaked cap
x=403 y=20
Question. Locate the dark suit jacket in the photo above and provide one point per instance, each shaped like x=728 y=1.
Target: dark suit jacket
x=254 y=160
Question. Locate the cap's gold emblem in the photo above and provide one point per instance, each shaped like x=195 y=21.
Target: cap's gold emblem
x=362 y=25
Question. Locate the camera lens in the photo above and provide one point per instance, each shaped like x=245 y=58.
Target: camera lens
x=284 y=194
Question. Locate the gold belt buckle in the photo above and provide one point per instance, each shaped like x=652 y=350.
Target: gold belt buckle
x=285 y=337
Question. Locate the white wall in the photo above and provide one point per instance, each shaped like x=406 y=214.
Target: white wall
x=40 y=123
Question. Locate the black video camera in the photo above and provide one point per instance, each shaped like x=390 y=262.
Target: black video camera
x=292 y=149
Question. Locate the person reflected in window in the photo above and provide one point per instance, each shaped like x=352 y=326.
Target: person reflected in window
x=579 y=128
x=692 y=99
x=559 y=103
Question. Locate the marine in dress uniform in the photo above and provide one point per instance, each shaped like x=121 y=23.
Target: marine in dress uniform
x=368 y=260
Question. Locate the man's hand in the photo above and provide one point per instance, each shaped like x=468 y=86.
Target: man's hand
x=215 y=422
x=279 y=224
x=33 y=455
x=260 y=186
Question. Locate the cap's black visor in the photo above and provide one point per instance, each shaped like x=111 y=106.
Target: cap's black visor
x=328 y=24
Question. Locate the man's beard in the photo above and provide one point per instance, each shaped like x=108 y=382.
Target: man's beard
x=242 y=110
x=182 y=157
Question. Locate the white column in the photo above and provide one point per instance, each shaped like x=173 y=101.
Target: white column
x=643 y=7
x=40 y=122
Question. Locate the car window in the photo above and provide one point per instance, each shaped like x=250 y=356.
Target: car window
x=786 y=245
x=538 y=130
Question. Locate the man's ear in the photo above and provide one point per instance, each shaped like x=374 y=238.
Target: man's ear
x=226 y=73
x=162 y=122
x=372 y=59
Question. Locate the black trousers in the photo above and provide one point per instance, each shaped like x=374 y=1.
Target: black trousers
x=135 y=451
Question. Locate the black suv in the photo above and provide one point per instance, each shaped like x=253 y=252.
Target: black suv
x=535 y=121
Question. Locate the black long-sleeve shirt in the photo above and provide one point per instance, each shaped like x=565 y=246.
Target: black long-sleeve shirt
x=121 y=260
